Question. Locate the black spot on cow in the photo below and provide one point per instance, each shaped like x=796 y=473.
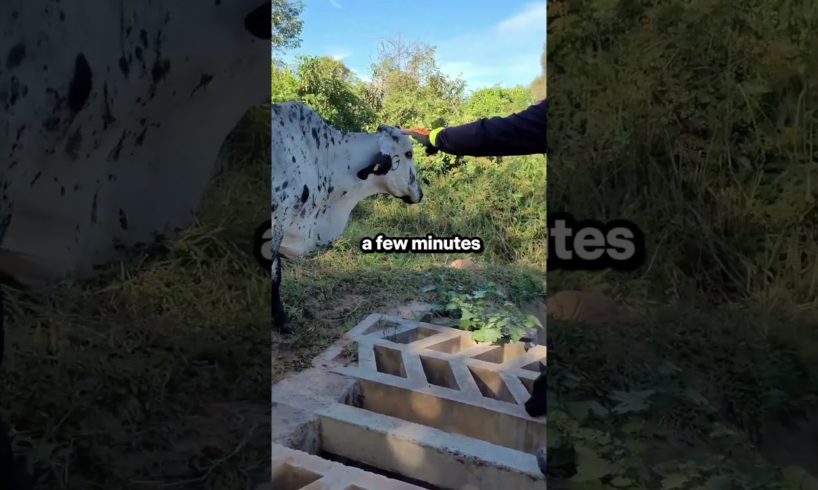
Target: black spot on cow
x=141 y=136
x=19 y=133
x=138 y=53
x=107 y=117
x=62 y=190
x=316 y=138
x=81 y=82
x=143 y=36
x=73 y=144
x=36 y=178
x=305 y=194
x=160 y=69
x=284 y=185
x=51 y=124
x=14 y=93
x=123 y=219
x=114 y=155
x=293 y=158
x=94 y=208
x=62 y=15
x=15 y=55
x=124 y=66
x=204 y=80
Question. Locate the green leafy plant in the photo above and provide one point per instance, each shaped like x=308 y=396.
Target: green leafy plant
x=489 y=315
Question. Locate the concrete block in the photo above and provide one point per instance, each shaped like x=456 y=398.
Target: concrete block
x=427 y=454
x=414 y=399
x=298 y=470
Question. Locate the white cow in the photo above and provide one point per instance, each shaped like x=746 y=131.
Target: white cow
x=319 y=174
x=113 y=115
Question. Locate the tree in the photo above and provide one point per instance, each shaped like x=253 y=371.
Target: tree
x=496 y=101
x=328 y=87
x=539 y=86
x=284 y=83
x=286 y=24
x=331 y=88
x=408 y=88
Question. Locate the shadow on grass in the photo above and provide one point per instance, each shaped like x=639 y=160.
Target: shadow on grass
x=686 y=384
x=156 y=373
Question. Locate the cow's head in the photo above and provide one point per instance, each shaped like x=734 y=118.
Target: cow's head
x=394 y=166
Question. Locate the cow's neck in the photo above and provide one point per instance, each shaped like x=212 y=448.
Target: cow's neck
x=348 y=190
x=347 y=160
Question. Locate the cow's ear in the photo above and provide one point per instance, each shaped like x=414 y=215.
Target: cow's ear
x=379 y=165
x=258 y=21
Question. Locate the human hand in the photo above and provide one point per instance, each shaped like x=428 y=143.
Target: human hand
x=422 y=137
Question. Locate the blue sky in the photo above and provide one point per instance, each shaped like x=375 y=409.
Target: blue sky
x=487 y=42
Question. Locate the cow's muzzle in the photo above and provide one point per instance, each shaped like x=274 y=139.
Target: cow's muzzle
x=409 y=200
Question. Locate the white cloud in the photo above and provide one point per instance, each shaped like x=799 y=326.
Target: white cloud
x=532 y=18
x=335 y=3
x=507 y=53
x=340 y=55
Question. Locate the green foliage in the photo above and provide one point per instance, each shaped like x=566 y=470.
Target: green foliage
x=286 y=24
x=489 y=314
x=539 y=85
x=285 y=84
x=696 y=120
x=327 y=86
x=679 y=399
x=409 y=89
x=491 y=102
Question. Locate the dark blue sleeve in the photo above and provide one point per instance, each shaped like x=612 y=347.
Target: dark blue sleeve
x=522 y=133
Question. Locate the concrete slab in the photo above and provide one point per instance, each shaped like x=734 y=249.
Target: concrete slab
x=441 y=362
x=298 y=470
x=295 y=400
x=394 y=393
x=427 y=454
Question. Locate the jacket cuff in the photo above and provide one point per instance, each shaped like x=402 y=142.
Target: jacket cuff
x=433 y=136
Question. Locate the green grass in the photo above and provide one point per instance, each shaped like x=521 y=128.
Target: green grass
x=697 y=122
x=156 y=373
x=503 y=204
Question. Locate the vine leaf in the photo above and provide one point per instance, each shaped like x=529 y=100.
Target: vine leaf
x=632 y=401
x=591 y=466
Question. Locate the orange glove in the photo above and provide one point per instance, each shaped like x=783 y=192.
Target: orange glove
x=422 y=136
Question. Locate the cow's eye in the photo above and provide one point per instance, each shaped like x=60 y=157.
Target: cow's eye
x=409 y=154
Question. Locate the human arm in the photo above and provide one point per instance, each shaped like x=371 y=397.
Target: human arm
x=522 y=133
